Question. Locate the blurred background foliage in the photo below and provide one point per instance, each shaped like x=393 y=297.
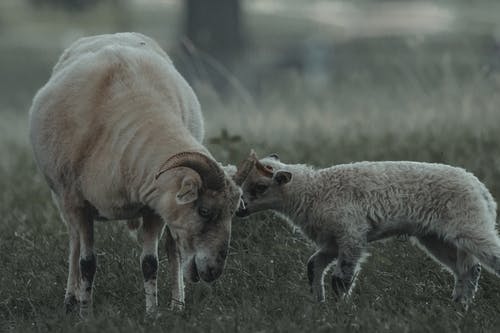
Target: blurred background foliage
x=244 y=49
x=268 y=70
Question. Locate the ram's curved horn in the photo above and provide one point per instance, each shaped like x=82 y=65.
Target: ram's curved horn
x=244 y=168
x=211 y=173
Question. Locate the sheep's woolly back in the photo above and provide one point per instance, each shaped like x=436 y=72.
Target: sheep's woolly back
x=121 y=95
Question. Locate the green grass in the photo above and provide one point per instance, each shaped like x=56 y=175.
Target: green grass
x=264 y=287
x=436 y=100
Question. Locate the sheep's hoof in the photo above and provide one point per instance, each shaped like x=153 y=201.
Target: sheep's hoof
x=177 y=306
x=318 y=294
x=71 y=304
x=85 y=310
x=152 y=315
x=340 y=286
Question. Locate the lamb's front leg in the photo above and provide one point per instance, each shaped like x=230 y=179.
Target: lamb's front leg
x=316 y=267
x=152 y=229
x=348 y=263
x=175 y=271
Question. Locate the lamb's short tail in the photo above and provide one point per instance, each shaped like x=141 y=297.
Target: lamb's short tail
x=134 y=224
x=490 y=202
x=134 y=227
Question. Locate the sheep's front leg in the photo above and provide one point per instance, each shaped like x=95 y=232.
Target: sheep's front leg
x=316 y=267
x=347 y=267
x=152 y=229
x=175 y=271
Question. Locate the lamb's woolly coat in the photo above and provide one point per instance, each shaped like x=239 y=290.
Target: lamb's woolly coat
x=388 y=198
x=446 y=209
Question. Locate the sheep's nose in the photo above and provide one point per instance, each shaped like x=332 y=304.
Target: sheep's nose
x=211 y=273
x=222 y=255
x=242 y=212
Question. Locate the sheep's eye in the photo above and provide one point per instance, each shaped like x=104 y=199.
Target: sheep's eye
x=204 y=212
x=261 y=188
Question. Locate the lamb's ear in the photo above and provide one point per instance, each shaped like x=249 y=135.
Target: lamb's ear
x=188 y=191
x=274 y=155
x=282 y=177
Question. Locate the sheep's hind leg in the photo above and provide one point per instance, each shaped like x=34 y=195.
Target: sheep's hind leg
x=465 y=267
x=80 y=223
x=88 y=261
x=316 y=267
x=71 y=297
x=152 y=229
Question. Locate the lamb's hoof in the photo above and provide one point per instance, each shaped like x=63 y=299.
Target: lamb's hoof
x=71 y=304
x=463 y=294
x=461 y=299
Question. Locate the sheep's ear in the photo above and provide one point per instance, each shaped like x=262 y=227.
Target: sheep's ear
x=188 y=191
x=282 y=177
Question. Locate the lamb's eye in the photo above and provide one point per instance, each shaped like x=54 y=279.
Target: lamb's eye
x=261 y=188
x=204 y=212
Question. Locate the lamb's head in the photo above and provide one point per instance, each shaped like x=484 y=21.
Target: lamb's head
x=265 y=186
x=198 y=200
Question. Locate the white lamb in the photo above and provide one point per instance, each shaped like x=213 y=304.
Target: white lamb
x=117 y=133
x=446 y=209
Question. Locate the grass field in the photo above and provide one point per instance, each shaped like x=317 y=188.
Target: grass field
x=264 y=286
x=428 y=104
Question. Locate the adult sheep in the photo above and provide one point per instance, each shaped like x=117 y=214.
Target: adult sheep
x=447 y=210
x=117 y=132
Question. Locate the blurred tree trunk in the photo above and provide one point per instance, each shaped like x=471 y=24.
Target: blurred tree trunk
x=214 y=26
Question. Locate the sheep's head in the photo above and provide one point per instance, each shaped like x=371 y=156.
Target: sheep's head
x=198 y=200
x=264 y=186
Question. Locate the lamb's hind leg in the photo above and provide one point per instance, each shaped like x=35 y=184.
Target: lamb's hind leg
x=316 y=267
x=467 y=281
x=485 y=247
x=464 y=266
